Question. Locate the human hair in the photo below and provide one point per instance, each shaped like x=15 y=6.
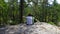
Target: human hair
x=30 y=14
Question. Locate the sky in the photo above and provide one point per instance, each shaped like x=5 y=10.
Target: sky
x=49 y=1
x=58 y=1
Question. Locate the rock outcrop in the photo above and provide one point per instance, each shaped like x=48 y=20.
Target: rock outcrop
x=36 y=28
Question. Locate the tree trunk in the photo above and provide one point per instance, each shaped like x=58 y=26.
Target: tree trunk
x=21 y=9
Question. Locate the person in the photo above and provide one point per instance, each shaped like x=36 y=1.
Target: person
x=32 y=16
x=30 y=19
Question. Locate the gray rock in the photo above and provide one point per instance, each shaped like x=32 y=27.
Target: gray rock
x=37 y=28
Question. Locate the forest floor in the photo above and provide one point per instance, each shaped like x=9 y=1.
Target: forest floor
x=36 y=28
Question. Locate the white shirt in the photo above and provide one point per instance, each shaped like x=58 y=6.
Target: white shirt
x=29 y=20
